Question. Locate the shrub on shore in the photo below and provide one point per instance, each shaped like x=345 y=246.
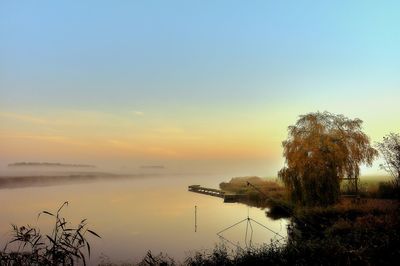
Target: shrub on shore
x=259 y=190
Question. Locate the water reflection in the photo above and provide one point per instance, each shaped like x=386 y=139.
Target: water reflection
x=134 y=216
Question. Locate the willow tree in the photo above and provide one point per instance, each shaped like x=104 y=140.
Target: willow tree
x=321 y=150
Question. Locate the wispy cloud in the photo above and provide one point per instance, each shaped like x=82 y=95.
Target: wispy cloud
x=23 y=117
x=170 y=130
x=138 y=113
x=35 y=137
x=119 y=143
x=161 y=151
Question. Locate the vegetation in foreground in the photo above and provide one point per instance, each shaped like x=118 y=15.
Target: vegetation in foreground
x=66 y=245
x=347 y=233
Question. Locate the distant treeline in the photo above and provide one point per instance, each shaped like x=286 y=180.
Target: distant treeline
x=45 y=164
x=152 y=166
x=42 y=180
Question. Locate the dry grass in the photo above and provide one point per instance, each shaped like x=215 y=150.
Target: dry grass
x=367 y=205
x=268 y=187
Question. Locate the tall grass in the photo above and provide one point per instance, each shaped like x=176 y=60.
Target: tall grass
x=65 y=245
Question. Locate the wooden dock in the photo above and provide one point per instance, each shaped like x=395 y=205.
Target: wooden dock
x=206 y=191
x=228 y=198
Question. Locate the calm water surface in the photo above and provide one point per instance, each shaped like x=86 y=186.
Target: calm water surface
x=137 y=215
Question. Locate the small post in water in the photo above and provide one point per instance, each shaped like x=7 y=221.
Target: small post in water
x=195 y=218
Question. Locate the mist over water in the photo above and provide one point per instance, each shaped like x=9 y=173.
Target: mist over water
x=262 y=167
x=134 y=215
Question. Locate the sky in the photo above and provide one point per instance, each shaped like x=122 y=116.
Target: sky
x=206 y=85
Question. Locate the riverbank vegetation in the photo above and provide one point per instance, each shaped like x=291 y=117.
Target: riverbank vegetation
x=254 y=190
x=335 y=219
x=347 y=233
x=66 y=245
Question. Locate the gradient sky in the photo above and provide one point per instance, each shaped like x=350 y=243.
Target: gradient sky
x=183 y=82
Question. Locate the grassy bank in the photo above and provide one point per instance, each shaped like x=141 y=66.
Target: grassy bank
x=348 y=233
x=256 y=190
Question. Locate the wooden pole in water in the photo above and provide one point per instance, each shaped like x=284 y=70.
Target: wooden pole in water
x=195 y=218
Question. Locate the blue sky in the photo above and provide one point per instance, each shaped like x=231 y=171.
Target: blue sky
x=182 y=64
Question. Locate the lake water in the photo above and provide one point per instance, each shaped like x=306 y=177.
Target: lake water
x=136 y=215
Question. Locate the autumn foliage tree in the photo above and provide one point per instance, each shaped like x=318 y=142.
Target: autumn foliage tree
x=390 y=150
x=321 y=150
